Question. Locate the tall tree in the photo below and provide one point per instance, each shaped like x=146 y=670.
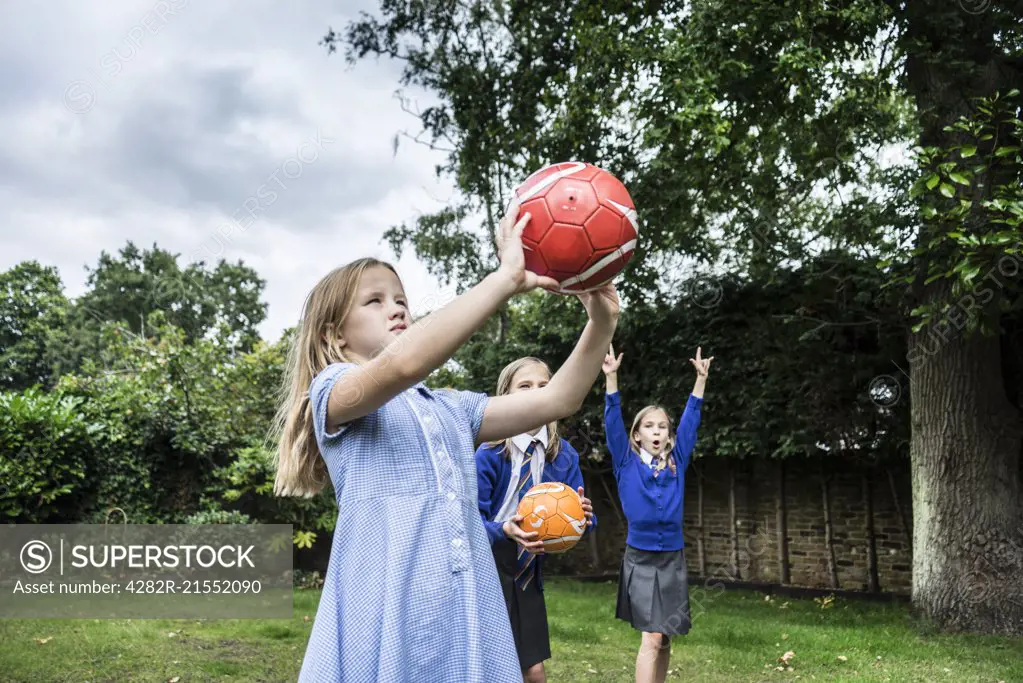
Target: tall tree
x=758 y=135
x=128 y=287
x=33 y=309
x=963 y=275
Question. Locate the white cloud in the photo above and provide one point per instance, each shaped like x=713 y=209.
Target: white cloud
x=164 y=121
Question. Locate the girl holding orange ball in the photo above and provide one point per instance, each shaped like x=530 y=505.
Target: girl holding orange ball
x=505 y=471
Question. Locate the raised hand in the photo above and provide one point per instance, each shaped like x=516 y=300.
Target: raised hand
x=611 y=364
x=602 y=304
x=702 y=365
x=509 y=249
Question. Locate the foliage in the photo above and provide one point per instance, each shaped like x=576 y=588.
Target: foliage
x=44 y=457
x=809 y=363
x=515 y=92
x=33 y=312
x=752 y=135
x=133 y=286
x=218 y=517
x=734 y=125
x=971 y=196
x=308 y=580
x=172 y=413
x=167 y=429
x=246 y=483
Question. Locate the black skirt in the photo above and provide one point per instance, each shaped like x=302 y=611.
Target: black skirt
x=526 y=608
x=653 y=591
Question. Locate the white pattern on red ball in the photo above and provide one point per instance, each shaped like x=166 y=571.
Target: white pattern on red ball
x=584 y=227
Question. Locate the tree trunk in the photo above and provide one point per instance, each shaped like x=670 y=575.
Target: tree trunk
x=968 y=550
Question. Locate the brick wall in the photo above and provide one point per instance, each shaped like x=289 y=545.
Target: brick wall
x=756 y=494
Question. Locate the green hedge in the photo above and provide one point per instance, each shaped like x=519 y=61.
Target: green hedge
x=45 y=450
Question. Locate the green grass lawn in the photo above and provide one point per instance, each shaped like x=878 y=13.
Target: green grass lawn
x=736 y=636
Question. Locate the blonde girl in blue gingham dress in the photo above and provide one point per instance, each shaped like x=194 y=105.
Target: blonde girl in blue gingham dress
x=411 y=592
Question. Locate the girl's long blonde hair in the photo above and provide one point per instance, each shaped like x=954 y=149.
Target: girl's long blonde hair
x=669 y=444
x=504 y=384
x=300 y=469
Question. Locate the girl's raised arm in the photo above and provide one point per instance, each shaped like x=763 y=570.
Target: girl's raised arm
x=614 y=426
x=522 y=411
x=428 y=343
x=685 y=437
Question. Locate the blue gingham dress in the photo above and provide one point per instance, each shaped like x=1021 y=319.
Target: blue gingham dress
x=411 y=592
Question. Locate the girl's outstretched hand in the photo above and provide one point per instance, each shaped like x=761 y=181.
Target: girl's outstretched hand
x=611 y=364
x=509 y=249
x=601 y=304
x=702 y=365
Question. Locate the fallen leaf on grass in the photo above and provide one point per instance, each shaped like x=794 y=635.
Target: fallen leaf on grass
x=44 y=641
x=787 y=657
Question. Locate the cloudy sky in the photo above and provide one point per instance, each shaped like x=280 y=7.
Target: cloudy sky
x=216 y=130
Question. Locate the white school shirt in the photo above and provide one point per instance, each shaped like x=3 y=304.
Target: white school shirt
x=518 y=452
x=648 y=458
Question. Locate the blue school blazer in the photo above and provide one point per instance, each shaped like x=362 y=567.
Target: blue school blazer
x=652 y=505
x=493 y=472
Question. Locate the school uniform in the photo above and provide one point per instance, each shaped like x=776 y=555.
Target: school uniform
x=503 y=475
x=411 y=592
x=653 y=584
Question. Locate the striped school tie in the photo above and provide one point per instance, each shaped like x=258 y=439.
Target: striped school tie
x=656 y=464
x=524 y=567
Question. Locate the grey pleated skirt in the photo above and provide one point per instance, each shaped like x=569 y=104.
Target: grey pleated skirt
x=653 y=591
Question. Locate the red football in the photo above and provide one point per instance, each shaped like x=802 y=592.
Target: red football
x=583 y=225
